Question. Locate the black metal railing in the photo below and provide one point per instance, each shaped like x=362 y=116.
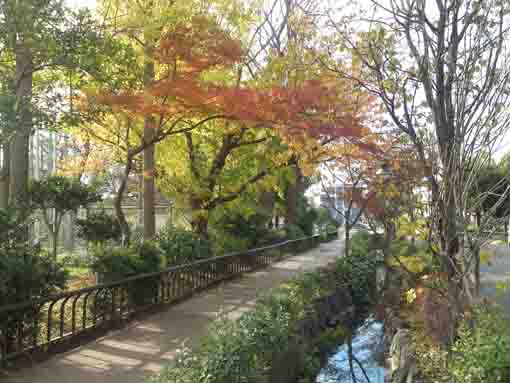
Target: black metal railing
x=61 y=321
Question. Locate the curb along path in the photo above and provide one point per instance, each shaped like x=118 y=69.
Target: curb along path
x=143 y=348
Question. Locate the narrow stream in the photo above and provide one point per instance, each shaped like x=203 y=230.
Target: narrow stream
x=365 y=343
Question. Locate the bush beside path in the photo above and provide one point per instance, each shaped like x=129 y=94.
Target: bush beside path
x=143 y=348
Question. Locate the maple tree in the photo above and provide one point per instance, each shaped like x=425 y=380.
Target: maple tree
x=379 y=174
x=288 y=40
x=141 y=24
x=440 y=68
x=201 y=81
x=209 y=168
x=57 y=196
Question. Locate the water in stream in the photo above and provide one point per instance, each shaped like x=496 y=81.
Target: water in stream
x=365 y=342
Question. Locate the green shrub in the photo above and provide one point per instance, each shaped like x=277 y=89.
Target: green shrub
x=28 y=275
x=180 y=246
x=99 y=228
x=234 y=231
x=59 y=195
x=225 y=244
x=13 y=229
x=243 y=350
x=358 y=270
x=306 y=215
x=294 y=232
x=325 y=221
x=481 y=355
x=26 y=272
x=120 y=263
x=272 y=236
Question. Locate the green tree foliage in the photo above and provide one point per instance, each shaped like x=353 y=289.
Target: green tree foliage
x=481 y=353
x=211 y=169
x=12 y=226
x=236 y=230
x=46 y=49
x=26 y=272
x=492 y=187
x=181 y=246
x=113 y=264
x=244 y=350
x=306 y=215
x=99 y=228
x=56 y=196
x=118 y=263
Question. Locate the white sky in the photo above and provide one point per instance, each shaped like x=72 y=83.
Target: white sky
x=81 y=3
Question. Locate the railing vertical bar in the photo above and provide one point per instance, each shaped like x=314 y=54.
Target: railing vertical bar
x=50 y=321
x=35 y=332
x=113 y=309
x=4 y=345
x=84 y=312
x=62 y=315
x=171 y=284
x=73 y=314
x=19 y=335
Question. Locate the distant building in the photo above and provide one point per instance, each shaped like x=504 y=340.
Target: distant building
x=334 y=199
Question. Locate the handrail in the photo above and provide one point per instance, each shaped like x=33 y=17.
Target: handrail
x=60 y=319
x=65 y=294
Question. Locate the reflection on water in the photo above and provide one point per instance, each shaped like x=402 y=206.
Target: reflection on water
x=363 y=366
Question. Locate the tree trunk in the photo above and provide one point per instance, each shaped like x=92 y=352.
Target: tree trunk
x=149 y=217
x=413 y=234
x=477 y=272
x=4 y=178
x=199 y=219
x=449 y=265
x=54 y=243
x=347 y=244
x=292 y=195
x=389 y=235
x=70 y=239
x=139 y=202
x=200 y=226
x=508 y=237
x=267 y=202
x=53 y=226
x=20 y=140
x=478 y=219
x=117 y=203
x=291 y=201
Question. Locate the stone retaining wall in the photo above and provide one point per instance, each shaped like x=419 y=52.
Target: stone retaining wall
x=328 y=312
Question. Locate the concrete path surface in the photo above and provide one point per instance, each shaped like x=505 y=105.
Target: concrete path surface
x=142 y=349
x=497 y=271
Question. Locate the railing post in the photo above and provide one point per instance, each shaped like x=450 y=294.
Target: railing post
x=104 y=305
x=3 y=342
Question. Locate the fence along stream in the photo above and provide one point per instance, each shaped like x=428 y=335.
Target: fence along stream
x=62 y=321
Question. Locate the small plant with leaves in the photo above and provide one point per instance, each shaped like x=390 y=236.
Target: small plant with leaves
x=99 y=228
x=56 y=196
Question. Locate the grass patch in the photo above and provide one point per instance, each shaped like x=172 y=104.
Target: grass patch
x=76 y=272
x=498 y=242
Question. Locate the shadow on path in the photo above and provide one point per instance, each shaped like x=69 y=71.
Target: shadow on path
x=142 y=349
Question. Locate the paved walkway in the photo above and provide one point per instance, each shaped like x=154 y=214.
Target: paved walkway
x=496 y=272
x=131 y=354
